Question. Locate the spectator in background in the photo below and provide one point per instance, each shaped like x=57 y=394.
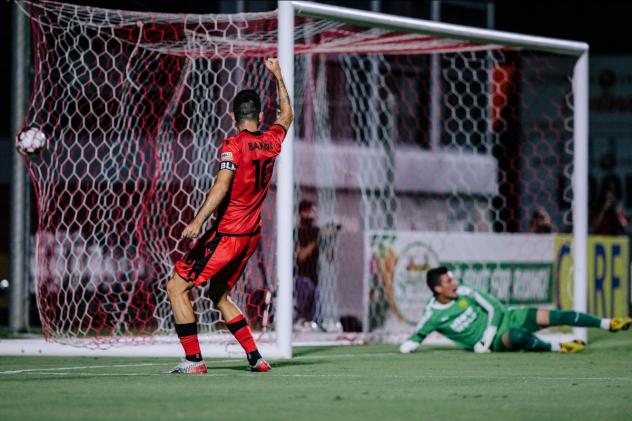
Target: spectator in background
x=307 y=253
x=608 y=216
x=540 y=221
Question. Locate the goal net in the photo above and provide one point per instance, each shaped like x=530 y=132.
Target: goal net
x=135 y=107
x=415 y=150
x=419 y=151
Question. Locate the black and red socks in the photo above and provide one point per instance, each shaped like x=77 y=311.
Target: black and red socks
x=238 y=326
x=187 y=333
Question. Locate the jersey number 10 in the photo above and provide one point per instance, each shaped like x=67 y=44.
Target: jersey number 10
x=263 y=172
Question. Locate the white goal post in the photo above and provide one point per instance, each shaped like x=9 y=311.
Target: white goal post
x=289 y=9
x=376 y=181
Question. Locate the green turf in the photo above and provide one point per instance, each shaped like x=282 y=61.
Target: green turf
x=350 y=383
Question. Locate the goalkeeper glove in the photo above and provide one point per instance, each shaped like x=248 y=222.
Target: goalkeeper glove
x=486 y=341
x=408 y=347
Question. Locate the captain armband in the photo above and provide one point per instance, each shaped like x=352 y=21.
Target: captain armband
x=227 y=165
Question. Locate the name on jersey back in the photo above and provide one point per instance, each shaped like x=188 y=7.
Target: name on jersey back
x=253 y=146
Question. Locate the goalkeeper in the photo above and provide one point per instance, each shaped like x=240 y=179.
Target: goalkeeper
x=479 y=322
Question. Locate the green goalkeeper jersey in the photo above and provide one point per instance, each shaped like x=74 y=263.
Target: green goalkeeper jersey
x=462 y=320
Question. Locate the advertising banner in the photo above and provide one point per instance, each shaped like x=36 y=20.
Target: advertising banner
x=608 y=274
x=516 y=268
x=519 y=269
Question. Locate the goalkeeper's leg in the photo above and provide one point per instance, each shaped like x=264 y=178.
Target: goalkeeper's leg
x=574 y=318
x=517 y=339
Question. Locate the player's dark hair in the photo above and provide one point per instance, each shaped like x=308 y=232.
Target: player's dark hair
x=247 y=106
x=433 y=277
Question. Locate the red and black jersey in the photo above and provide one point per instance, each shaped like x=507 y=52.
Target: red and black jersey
x=251 y=156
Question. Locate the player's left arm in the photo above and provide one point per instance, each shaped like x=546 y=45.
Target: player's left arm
x=489 y=304
x=214 y=198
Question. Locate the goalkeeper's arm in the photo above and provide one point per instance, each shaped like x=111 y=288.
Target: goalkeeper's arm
x=493 y=320
x=423 y=329
x=412 y=343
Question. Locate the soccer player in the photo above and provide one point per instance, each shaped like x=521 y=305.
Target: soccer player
x=220 y=255
x=479 y=322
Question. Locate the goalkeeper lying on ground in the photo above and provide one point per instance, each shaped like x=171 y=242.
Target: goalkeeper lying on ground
x=479 y=322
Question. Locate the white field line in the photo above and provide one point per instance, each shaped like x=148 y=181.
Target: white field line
x=89 y=367
x=85 y=367
x=344 y=376
x=211 y=362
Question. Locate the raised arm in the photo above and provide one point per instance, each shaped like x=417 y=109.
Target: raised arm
x=213 y=199
x=286 y=114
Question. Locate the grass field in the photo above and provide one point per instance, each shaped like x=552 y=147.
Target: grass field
x=339 y=383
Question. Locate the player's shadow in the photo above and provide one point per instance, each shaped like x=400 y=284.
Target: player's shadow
x=275 y=364
x=440 y=348
x=302 y=352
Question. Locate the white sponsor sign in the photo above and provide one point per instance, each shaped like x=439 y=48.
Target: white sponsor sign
x=513 y=267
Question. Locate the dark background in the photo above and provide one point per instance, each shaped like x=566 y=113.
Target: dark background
x=604 y=25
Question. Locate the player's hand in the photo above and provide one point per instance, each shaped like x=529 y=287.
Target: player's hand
x=408 y=347
x=481 y=348
x=191 y=231
x=486 y=341
x=272 y=64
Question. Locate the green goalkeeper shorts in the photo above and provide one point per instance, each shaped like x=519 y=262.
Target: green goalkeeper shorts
x=520 y=318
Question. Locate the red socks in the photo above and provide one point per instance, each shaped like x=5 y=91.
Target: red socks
x=191 y=345
x=241 y=331
x=187 y=333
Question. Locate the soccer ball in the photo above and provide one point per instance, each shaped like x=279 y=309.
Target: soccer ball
x=30 y=141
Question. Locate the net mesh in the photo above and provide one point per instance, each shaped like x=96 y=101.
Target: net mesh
x=396 y=135
x=135 y=107
x=411 y=183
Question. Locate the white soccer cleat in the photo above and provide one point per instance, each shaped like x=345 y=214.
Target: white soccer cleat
x=261 y=366
x=189 y=367
x=408 y=347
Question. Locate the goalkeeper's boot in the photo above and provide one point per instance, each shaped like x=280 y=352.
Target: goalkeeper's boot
x=261 y=366
x=572 y=346
x=189 y=367
x=620 y=323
